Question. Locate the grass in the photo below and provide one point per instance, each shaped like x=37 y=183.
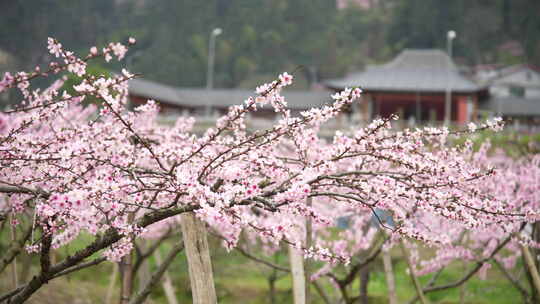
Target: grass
x=239 y=280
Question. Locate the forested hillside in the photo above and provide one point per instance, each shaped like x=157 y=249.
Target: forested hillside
x=262 y=37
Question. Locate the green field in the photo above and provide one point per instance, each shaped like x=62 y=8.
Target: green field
x=241 y=280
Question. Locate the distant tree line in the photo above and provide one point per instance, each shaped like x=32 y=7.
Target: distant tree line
x=262 y=38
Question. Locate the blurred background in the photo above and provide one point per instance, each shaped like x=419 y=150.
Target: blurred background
x=487 y=64
x=262 y=38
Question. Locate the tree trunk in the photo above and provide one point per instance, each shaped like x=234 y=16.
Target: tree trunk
x=534 y=251
x=321 y=292
x=389 y=274
x=364 y=281
x=167 y=282
x=531 y=267
x=14 y=278
x=534 y=294
x=26 y=265
x=297 y=272
x=143 y=273
x=414 y=278
x=198 y=257
x=272 y=286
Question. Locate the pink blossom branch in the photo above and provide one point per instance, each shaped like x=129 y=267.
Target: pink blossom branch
x=469 y=274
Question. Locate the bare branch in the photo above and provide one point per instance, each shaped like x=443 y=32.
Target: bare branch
x=14 y=250
x=469 y=275
x=143 y=294
x=512 y=280
x=21 y=189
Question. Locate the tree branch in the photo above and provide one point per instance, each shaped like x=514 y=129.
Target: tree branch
x=512 y=280
x=14 y=250
x=141 y=256
x=143 y=294
x=110 y=237
x=467 y=276
x=25 y=190
x=354 y=270
x=259 y=260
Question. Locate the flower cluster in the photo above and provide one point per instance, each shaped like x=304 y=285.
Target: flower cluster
x=111 y=170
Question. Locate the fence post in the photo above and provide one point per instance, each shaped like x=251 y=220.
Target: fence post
x=389 y=273
x=297 y=271
x=307 y=262
x=198 y=258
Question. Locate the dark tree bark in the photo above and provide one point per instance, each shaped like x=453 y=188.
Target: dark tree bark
x=364 y=282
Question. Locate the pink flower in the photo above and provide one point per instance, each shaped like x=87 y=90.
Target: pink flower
x=78 y=68
x=54 y=47
x=118 y=49
x=285 y=79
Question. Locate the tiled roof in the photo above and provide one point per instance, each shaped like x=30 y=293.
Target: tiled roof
x=200 y=97
x=410 y=71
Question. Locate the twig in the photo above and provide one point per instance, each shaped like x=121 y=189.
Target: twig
x=143 y=294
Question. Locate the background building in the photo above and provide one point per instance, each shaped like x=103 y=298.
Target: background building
x=212 y=102
x=514 y=93
x=413 y=85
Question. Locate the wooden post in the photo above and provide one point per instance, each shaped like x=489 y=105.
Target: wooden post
x=198 y=257
x=167 y=282
x=531 y=266
x=307 y=262
x=297 y=271
x=300 y=269
x=126 y=271
x=127 y=278
x=389 y=274
x=112 y=282
x=414 y=278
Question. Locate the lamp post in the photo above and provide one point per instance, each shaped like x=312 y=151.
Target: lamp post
x=211 y=54
x=448 y=97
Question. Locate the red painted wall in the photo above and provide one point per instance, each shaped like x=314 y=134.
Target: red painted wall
x=387 y=103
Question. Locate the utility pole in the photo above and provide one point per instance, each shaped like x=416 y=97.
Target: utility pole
x=448 y=97
x=211 y=54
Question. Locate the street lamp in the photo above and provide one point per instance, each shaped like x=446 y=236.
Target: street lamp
x=211 y=54
x=451 y=35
